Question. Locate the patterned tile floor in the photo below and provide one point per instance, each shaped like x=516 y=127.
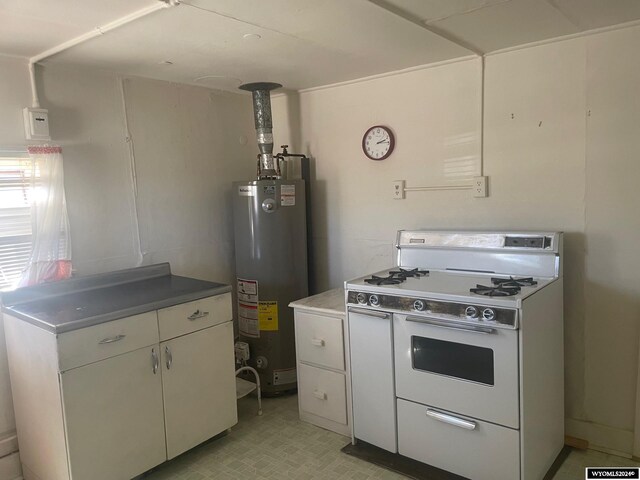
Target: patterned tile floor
x=279 y=446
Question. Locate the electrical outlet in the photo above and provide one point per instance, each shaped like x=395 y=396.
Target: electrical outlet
x=398 y=189
x=480 y=186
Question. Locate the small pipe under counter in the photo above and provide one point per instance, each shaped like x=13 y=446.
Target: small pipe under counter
x=322 y=350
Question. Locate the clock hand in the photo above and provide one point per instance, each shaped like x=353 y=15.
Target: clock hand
x=382 y=141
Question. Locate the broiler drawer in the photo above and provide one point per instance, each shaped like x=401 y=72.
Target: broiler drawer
x=458 y=444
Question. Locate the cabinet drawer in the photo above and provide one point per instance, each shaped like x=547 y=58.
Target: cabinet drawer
x=192 y=316
x=323 y=393
x=486 y=452
x=320 y=340
x=91 y=344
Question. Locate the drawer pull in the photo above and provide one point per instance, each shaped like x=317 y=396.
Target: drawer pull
x=117 y=338
x=198 y=314
x=155 y=361
x=169 y=356
x=451 y=420
x=319 y=395
x=318 y=342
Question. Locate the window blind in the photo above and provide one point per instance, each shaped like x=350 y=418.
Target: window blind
x=17 y=185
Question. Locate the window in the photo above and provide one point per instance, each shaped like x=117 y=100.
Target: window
x=17 y=183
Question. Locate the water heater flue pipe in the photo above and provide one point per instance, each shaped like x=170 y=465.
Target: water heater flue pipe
x=261 y=92
x=96 y=32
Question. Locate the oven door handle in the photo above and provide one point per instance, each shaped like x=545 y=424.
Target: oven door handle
x=451 y=326
x=451 y=420
x=369 y=313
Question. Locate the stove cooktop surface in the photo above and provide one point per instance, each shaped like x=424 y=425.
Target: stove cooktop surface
x=450 y=285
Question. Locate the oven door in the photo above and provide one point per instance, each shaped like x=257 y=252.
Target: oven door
x=459 y=368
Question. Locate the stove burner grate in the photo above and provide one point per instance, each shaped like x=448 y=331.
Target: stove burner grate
x=496 y=291
x=514 y=282
x=390 y=280
x=406 y=273
x=396 y=277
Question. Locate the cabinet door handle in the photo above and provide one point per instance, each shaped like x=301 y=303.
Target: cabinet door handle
x=198 y=314
x=155 y=361
x=318 y=342
x=117 y=338
x=452 y=420
x=169 y=356
x=319 y=395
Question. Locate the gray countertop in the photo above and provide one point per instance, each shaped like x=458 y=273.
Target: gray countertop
x=85 y=301
x=331 y=302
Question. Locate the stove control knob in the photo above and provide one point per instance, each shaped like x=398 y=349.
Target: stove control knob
x=374 y=300
x=488 y=314
x=362 y=299
x=419 y=305
x=471 y=312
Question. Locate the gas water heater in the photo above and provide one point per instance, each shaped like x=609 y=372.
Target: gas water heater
x=270 y=223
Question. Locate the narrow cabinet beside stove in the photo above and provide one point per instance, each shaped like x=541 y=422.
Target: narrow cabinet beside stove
x=113 y=400
x=324 y=393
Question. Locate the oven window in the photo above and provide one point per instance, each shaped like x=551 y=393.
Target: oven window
x=458 y=360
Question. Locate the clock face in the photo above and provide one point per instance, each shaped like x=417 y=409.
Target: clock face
x=378 y=142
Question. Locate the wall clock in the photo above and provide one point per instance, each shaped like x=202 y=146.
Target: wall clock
x=378 y=142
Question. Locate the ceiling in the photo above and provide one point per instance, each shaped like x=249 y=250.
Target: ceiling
x=299 y=43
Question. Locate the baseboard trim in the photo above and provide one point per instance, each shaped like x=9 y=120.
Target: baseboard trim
x=10 y=467
x=601 y=437
x=8 y=444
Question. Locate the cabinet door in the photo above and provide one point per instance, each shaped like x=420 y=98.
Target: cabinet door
x=114 y=416
x=372 y=378
x=199 y=387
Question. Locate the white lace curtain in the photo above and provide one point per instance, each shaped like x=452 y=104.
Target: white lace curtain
x=51 y=254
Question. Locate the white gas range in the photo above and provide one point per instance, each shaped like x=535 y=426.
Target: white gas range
x=457 y=354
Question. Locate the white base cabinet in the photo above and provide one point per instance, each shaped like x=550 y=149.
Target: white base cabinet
x=324 y=391
x=111 y=401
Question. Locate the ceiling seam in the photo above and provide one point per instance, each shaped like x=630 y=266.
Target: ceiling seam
x=566 y=16
x=471 y=10
x=387 y=74
x=245 y=22
x=392 y=9
x=563 y=38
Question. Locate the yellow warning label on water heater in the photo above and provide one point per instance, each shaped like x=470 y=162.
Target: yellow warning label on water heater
x=268 y=316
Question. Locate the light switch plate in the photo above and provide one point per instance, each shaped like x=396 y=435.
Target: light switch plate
x=480 y=185
x=398 y=189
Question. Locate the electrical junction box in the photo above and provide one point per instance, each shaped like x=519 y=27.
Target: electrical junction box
x=36 y=123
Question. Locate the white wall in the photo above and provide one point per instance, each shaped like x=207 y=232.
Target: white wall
x=190 y=145
x=14 y=96
x=187 y=151
x=550 y=165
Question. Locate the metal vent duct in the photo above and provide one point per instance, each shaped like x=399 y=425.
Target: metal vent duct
x=264 y=126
